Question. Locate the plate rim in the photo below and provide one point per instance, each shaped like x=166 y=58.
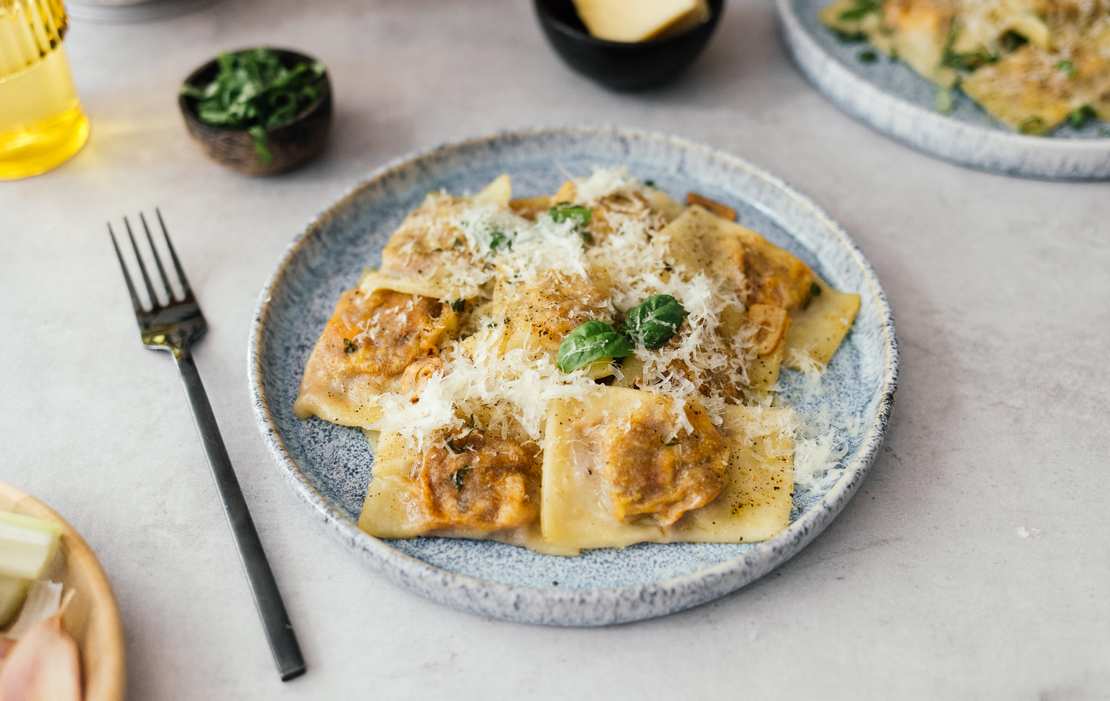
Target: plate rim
x=953 y=140
x=554 y=605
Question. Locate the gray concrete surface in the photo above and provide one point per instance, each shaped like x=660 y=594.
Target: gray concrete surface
x=923 y=588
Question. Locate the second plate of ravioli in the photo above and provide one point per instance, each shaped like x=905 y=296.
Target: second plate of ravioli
x=889 y=96
x=843 y=415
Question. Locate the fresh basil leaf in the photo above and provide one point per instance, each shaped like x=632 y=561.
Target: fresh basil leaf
x=1066 y=67
x=589 y=343
x=654 y=321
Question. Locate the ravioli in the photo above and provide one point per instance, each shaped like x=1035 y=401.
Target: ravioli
x=1032 y=64
x=746 y=466
x=450 y=358
x=429 y=246
x=795 y=314
x=470 y=485
x=916 y=31
x=758 y=495
x=1034 y=90
x=817 y=331
x=384 y=336
x=540 y=314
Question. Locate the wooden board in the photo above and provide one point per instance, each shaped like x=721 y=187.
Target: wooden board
x=92 y=617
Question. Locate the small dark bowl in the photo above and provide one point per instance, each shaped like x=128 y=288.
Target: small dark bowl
x=619 y=65
x=290 y=144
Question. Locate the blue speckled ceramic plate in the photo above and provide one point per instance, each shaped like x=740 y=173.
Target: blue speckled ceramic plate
x=891 y=97
x=331 y=466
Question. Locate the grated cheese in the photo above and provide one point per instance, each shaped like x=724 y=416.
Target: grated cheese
x=602 y=183
x=514 y=388
x=821 y=438
x=511 y=389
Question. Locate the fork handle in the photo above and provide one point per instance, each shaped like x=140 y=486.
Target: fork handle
x=267 y=598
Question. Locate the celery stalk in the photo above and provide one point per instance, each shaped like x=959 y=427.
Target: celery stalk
x=28 y=545
x=12 y=593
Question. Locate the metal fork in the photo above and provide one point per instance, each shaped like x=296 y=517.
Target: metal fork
x=175 y=326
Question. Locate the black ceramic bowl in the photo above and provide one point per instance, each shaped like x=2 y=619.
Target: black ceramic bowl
x=619 y=65
x=290 y=144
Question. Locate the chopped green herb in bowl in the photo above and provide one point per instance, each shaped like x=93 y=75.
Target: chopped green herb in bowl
x=260 y=111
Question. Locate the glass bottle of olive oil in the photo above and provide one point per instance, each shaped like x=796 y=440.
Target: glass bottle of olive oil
x=41 y=122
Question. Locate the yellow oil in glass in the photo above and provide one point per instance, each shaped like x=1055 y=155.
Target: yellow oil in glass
x=41 y=122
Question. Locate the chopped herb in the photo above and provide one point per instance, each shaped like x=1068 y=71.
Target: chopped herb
x=1078 y=118
x=1033 y=125
x=458 y=305
x=814 y=289
x=1011 y=41
x=861 y=9
x=654 y=321
x=963 y=60
x=968 y=60
x=849 y=37
x=349 y=346
x=649 y=183
x=944 y=100
x=254 y=90
x=497 y=239
x=458 y=476
x=1067 y=67
x=261 y=143
x=565 y=211
x=867 y=56
x=581 y=216
x=589 y=343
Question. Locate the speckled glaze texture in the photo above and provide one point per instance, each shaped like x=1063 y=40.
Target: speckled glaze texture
x=890 y=97
x=330 y=466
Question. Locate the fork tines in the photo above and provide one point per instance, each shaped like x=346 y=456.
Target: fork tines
x=183 y=281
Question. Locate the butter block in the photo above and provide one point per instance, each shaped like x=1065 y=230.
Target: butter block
x=621 y=20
